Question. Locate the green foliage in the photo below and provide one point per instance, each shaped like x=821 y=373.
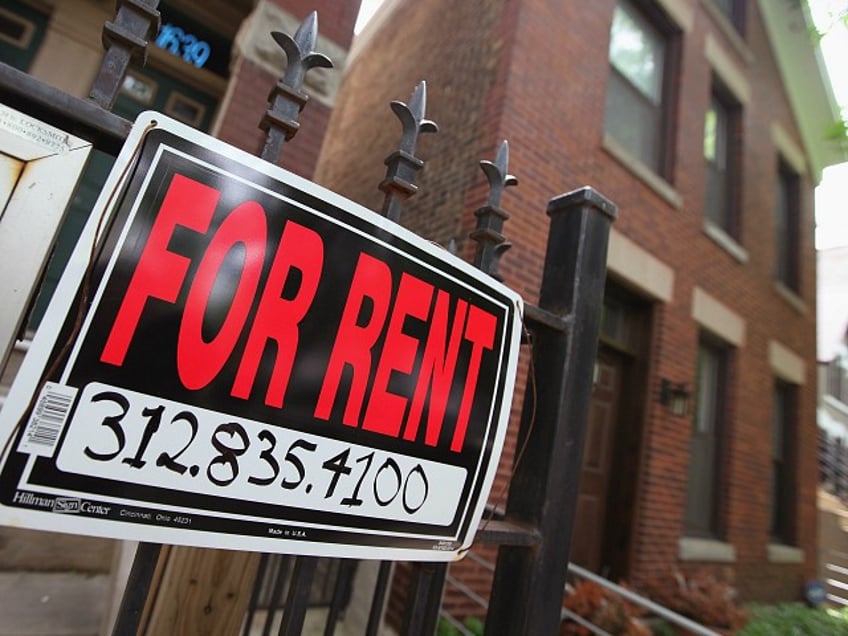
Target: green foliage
x=474 y=625
x=444 y=628
x=471 y=623
x=838 y=131
x=663 y=629
x=794 y=619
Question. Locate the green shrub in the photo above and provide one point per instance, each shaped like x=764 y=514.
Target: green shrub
x=444 y=628
x=474 y=625
x=471 y=623
x=794 y=619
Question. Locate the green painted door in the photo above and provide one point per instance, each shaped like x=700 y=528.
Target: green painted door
x=144 y=89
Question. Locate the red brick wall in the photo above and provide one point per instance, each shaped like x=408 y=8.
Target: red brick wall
x=535 y=72
x=335 y=19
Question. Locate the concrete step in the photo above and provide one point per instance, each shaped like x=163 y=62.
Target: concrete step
x=35 y=550
x=52 y=603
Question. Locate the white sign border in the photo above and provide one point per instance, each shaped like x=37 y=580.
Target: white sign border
x=36 y=361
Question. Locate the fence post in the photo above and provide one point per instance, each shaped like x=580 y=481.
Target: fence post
x=527 y=590
x=125 y=40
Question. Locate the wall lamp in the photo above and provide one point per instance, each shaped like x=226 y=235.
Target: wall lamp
x=675 y=396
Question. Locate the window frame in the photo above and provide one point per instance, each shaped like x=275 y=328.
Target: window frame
x=728 y=217
x=787 y=220
x=666 y=113
x=700 y=523
x=782 y=489
x=735 y=14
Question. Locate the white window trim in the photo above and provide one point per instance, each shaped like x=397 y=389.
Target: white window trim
x=728 y=71
x=681 y=12
x=725 y=241
x=790 y=297
x=640 y=269
x=641 y=170
x=711 y=550
x=790 y=151
x=786 y=364
x=778 y=553
x=718 y=318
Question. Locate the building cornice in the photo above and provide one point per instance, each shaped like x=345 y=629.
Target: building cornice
x=807 y=85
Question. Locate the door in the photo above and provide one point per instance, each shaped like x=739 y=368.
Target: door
x=588 y=542
x=145 y=89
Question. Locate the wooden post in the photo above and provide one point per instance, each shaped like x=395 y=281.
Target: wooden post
x=201 y=591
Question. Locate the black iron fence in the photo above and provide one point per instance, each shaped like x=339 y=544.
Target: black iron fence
x=533 y=535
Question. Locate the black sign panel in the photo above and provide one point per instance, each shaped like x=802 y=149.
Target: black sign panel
x=263 y=365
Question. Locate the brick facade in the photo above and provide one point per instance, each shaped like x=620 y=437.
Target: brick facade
x=536 y=72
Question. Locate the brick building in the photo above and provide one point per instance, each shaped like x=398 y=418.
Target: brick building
x=704 y=122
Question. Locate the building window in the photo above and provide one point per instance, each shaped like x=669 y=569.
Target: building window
x=734 y=11
x=22 y=30
x=787 y=223
x=703 y=489
x=15 y=30
x=782 y=493
x=139 y=88
x=721 y=152
x=636 y=102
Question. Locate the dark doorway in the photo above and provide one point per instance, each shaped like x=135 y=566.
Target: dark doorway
x=609 y=476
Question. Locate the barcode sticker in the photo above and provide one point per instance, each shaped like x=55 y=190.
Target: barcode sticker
x=47 y=420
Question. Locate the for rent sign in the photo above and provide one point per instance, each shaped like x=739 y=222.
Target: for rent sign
x=263 y=365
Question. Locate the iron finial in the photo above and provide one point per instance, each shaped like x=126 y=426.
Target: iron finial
x=402 y=164
x=300 y=53
x=287 y=98
x=412 y=118
x=497 y=173
x=491 y=243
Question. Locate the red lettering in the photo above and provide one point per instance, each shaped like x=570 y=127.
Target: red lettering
x=198 y=362
x=160 y=273
x=277 y=318
x=437 y=369
x=385 y=410
x=480 y=331
x=373 y=280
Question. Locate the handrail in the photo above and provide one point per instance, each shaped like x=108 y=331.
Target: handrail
x=651 y=606
x=659 y=610
x=567 y=613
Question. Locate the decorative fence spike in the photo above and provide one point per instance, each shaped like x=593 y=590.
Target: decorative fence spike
x=287 y=98
x=125 y=40
x=491 y=243
x=402 y=164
